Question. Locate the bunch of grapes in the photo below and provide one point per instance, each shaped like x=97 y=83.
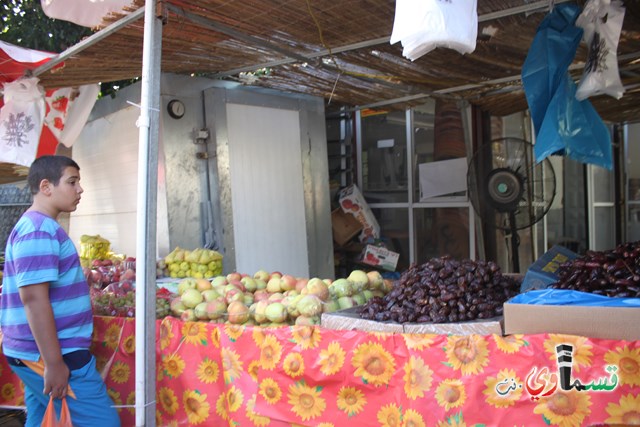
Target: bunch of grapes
x=114 y=302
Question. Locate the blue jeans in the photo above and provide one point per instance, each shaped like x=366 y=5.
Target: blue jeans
x=92 y=407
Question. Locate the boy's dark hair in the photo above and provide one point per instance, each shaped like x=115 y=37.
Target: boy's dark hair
x=50 y=168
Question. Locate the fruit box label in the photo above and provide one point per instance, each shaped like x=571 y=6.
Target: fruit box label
x=380 y=257
x=543 y=272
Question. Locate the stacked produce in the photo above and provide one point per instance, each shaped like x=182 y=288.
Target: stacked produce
x=272 y=298
x=444 y=290
x=198 y=263
x=93 y=248
x=614 y=273
x=102 y=273
x=119 y=299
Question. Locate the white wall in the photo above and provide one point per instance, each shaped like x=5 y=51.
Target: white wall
x=107 y=153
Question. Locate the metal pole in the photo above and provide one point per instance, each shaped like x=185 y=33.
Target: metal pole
x=148 y=124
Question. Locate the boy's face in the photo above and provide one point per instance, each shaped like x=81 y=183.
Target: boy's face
x=66 y=195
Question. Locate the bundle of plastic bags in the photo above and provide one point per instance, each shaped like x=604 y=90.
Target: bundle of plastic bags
x=563 y=124
x=601 y=21
x=423 y=25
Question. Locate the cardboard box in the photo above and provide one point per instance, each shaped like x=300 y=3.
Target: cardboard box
x=380 y=257
x=618 y=323
x=344 y=226
x=352 y=202
x=543 y=272
x=350 y=320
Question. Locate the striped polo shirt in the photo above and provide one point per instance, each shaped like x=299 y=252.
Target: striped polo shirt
x=39 y=250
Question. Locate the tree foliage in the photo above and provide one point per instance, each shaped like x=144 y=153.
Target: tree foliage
x=24 y=24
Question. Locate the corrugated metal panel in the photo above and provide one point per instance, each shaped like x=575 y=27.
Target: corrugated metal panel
x=266 y=189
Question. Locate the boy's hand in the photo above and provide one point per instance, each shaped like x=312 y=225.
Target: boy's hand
x=56 y=380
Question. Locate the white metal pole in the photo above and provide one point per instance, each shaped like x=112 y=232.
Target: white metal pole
x=148 y=124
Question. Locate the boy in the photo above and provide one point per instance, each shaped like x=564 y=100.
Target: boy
x=45 y=309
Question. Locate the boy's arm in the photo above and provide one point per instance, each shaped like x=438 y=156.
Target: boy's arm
x=42 y=323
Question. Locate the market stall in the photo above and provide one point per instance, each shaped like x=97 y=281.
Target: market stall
x=214 y=374
x=311 y=376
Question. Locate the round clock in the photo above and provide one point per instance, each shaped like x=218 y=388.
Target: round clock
x=175 y=109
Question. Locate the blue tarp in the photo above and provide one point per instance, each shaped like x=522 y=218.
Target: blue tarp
x=569 y=297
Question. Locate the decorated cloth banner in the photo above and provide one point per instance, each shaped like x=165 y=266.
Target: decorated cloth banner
x=68 y=110
x=216 y=374
x=21 y=119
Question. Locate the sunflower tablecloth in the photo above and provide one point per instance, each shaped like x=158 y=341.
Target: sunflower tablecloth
x=215 y=375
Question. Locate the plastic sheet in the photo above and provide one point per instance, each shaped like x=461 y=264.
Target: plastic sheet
x=569 y=297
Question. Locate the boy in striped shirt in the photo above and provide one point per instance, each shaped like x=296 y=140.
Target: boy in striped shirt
x=45 y=309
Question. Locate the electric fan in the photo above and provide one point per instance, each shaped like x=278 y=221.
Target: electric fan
x=508 y=189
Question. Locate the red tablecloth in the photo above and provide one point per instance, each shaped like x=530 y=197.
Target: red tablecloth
x=213 y=375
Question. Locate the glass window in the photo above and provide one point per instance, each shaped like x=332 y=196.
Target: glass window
x=394 y=230
x=384 y=157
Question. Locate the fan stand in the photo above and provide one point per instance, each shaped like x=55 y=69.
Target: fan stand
x=505 y=188
x=515 y=242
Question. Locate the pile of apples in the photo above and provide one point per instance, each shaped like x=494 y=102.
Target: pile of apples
x=198 y=263
x=102 y=273
x=272 y=299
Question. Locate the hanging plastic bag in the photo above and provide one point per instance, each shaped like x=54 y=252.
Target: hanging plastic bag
x=49 y=419
x=563 y=125
x=21 y=120
x=574 y=129
x=423 y=25
x=601 y=21
x=552 y=51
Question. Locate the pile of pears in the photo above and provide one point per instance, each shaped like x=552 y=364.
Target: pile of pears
x=198 y=263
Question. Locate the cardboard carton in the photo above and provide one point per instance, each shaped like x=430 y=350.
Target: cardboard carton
x=543 y=272
x=352 y=202
x=617 y=323
x=380 y=257
x=344 y=226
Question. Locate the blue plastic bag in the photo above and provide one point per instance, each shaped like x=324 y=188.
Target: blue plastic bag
x=563 y=125
x=569 y=297
x=573 y=128
x=552 y=51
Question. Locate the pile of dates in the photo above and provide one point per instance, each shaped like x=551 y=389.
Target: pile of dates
x=614 y=273
x=444 y=290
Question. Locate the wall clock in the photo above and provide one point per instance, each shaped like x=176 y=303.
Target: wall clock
x=175 y=109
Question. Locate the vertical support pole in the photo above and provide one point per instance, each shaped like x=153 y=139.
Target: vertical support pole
x=148 y=124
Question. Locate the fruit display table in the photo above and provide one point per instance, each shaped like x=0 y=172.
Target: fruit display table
x=216 y=374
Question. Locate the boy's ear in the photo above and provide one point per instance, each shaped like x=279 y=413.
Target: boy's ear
x=45 y=187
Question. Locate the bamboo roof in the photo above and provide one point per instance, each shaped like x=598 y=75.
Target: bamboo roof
x=340 y=51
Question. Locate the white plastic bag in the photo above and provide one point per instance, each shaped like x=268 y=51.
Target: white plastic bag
x=21 y=120
x=423 y=25
x=601 y=21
